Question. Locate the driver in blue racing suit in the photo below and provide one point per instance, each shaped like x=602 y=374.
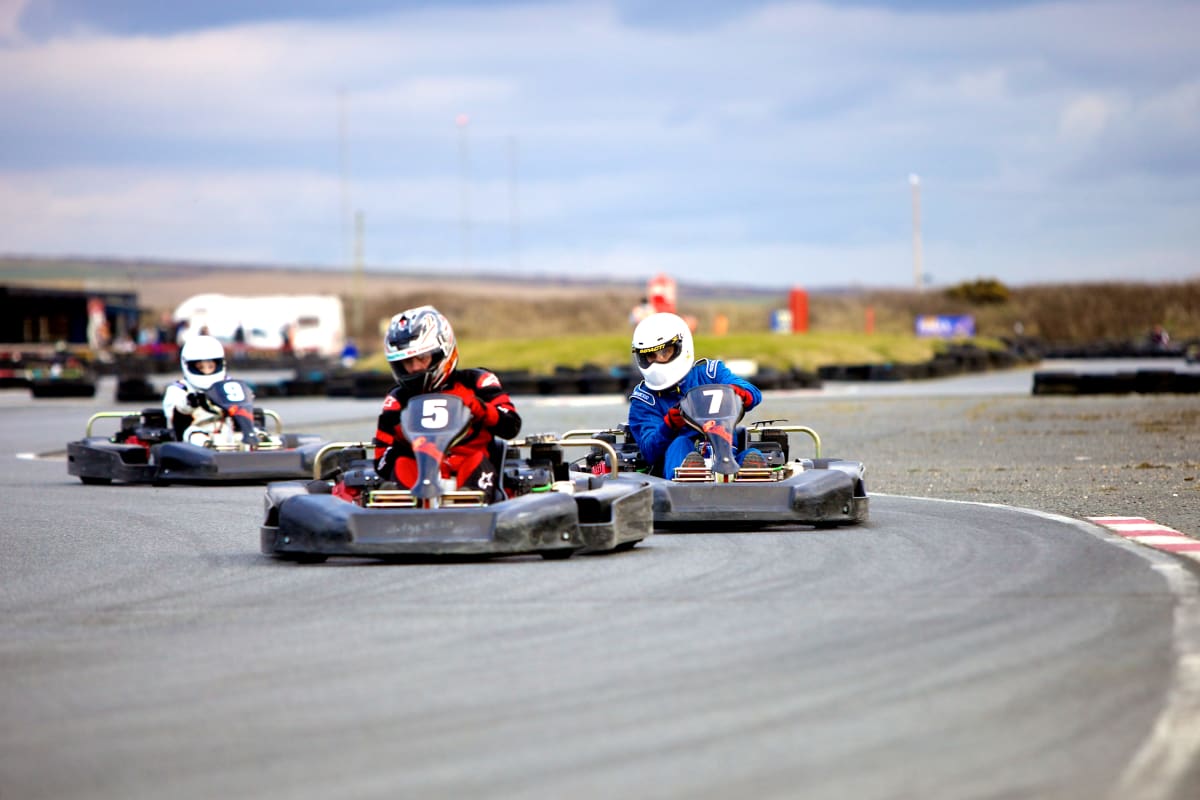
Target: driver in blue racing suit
x=663 y=350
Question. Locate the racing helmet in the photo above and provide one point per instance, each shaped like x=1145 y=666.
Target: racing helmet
x=662 y=348
x=417 y=332
x=196 y=350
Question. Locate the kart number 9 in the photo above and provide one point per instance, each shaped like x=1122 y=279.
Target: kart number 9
x=234 y=393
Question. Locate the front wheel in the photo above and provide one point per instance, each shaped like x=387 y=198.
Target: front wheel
x=302 y=558
x=556 y=555
x=95 y=481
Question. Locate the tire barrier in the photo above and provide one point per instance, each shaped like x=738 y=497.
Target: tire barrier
x=62 y=387
x=313 y=379
x=1142 y=381
x=136 y=389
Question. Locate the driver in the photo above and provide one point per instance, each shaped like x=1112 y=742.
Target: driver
x=423 y=354
x=203 y=361
x=663 y=351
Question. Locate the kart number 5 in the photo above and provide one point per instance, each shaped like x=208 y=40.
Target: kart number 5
x=434 y=414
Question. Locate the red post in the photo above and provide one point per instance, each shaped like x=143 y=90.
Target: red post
x=660 y=291
x=870 y=315
x=798 y=303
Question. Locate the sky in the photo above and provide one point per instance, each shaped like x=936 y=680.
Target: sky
x=867 y=143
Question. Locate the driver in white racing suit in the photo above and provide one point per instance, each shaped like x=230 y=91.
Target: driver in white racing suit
x=203 y=361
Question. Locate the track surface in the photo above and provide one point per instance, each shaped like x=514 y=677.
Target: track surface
x=943 y=650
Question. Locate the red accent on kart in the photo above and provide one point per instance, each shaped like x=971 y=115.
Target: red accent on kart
x=714 y=428
x=341 y=492
x=133 y=439
x=425 y=447
x=238 y=411
x=601 y=468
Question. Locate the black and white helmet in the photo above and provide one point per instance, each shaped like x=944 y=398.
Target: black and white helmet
x=417 y=332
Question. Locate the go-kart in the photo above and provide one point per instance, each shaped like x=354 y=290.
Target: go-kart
x=537 y=508
x=823 y=492
x=227 y=443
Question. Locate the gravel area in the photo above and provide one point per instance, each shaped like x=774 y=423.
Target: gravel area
x=1135 y=455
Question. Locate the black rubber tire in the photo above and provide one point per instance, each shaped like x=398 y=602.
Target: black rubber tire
x=302 y=558
x=556 y=555
x=95 y=481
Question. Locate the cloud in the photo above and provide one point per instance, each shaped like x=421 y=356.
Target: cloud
x=10 y=17
x=782 y=133
x=1085 y=118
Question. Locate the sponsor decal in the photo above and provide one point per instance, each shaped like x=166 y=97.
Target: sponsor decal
x=487 y=379
x=640 y=394
x=391 y=404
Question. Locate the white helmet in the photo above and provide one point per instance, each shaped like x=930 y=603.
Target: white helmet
x=663 y=333
x=199 y=349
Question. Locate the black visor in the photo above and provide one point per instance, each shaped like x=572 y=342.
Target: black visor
x=647 y=355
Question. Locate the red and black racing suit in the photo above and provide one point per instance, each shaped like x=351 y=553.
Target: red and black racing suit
x=494 y=415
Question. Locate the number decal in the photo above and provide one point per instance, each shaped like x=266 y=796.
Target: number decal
x=233 y=392
x=714 y=400
x=434 y=414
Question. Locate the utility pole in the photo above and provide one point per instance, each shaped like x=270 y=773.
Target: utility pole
x=358 y=277
x=514 y=207
x=464 y=168
x=343 y=182
x=918 y=274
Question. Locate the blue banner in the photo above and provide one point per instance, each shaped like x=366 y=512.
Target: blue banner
x=946 y=326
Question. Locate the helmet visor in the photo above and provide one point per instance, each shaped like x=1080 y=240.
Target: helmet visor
x=206 y=366
x=663 y=353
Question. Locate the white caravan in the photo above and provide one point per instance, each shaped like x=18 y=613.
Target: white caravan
x=315 y=324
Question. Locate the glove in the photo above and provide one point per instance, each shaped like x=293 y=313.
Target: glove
x=476 y=407
x=747 y=398
x=195 y=399
x=674 y=419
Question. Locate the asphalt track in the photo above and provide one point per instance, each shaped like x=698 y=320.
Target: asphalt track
x=943 y=650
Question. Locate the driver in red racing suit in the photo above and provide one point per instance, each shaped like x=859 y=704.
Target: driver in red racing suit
x=423 y=354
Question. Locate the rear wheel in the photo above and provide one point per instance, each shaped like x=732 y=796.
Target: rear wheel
x=95 y=481
x=302 y=558
x=556 y=555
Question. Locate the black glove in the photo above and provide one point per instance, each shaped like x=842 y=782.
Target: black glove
x=195 y=399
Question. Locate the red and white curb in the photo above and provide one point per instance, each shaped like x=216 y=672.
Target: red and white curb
x=1151 y=534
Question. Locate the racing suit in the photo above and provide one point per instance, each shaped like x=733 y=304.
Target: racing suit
x=493 y=415
x=661 y=445
x=179 y=409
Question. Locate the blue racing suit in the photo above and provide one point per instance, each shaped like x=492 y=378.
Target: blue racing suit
x=660 y=444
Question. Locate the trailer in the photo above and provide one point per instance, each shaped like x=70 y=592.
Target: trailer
x=304 y=324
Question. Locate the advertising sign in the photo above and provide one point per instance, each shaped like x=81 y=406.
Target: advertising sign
x=946 y=326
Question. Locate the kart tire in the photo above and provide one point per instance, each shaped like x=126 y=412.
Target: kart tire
x=302 y=558
x=623 y=546
x=86 y=481
x=556 y=555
